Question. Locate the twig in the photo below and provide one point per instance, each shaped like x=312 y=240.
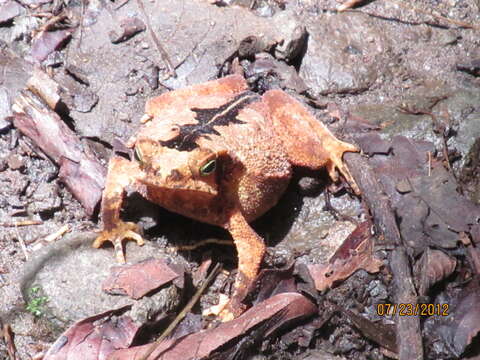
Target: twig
x=160 y=48
x=337 y=214
x=57 y=234
x=182 y=313
x=194 y=48
x=80 y=36
x=409 y=6
x=22 y=223
x=22 y=244
x=51 y=22
x=429 y=163
x=203 y=243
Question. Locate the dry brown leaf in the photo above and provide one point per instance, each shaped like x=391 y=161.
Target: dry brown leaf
x=354 y=254
x=138 y=279
x=432 y=267
x=288 y=306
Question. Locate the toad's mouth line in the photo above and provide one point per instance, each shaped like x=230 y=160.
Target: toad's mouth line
x=193 y=187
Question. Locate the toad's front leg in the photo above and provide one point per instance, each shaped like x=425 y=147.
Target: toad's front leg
x=250 y=249
x=121 y=174
x=307 y=141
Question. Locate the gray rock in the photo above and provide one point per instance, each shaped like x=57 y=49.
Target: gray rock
x=46 y=198
x=70 y=274
x=293 y=35
x=9 y=10
x=345 y=54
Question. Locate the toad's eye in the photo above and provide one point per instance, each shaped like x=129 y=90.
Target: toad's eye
x=208 y=168
x=138 y=155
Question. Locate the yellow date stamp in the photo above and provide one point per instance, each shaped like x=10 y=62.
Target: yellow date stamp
x=408 y=309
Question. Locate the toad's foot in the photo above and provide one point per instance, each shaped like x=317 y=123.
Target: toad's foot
x=336 y=149
x=227 y=309
x=220 y=310
x=121 y=231
x=231 y=310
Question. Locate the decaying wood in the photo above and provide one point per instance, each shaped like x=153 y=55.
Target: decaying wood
x=409 y=339
x=80 y=171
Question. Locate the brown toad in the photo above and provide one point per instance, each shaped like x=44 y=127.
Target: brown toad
x=221 y=154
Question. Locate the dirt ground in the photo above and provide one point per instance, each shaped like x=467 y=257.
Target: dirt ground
x=398 y=78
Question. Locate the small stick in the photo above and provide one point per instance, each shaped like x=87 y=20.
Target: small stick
x=337 y=214
x=51 y=22
x=182 y=313
x=203 y=243
x=57 y=234
x=22 y=223
x=160 y=48
x=22 y=244
x=429 y=163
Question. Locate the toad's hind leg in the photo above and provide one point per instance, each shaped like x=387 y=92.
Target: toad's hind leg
x=307 y=141
x=250 y=248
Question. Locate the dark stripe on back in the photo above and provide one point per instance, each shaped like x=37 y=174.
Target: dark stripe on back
x=208 y=118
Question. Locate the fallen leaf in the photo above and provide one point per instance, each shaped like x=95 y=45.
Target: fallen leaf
x=94 y=338
x=383 y=334
x=79 y=169
x=271 y=282
x=291 y=306
x=423 y=194
x=354 y=254
x=432 y=267
x=138 y=279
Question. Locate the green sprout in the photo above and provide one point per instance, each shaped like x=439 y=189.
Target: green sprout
x=36 y=304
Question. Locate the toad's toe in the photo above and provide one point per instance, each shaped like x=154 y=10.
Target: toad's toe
x=226 y=310
x=336 y=151
x=121 y=231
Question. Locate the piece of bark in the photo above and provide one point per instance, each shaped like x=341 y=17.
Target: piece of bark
x=462 y=325
x=80 y=171
x=45 y=87
x=409 y=340
x=49 y=41
x=129 y=28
